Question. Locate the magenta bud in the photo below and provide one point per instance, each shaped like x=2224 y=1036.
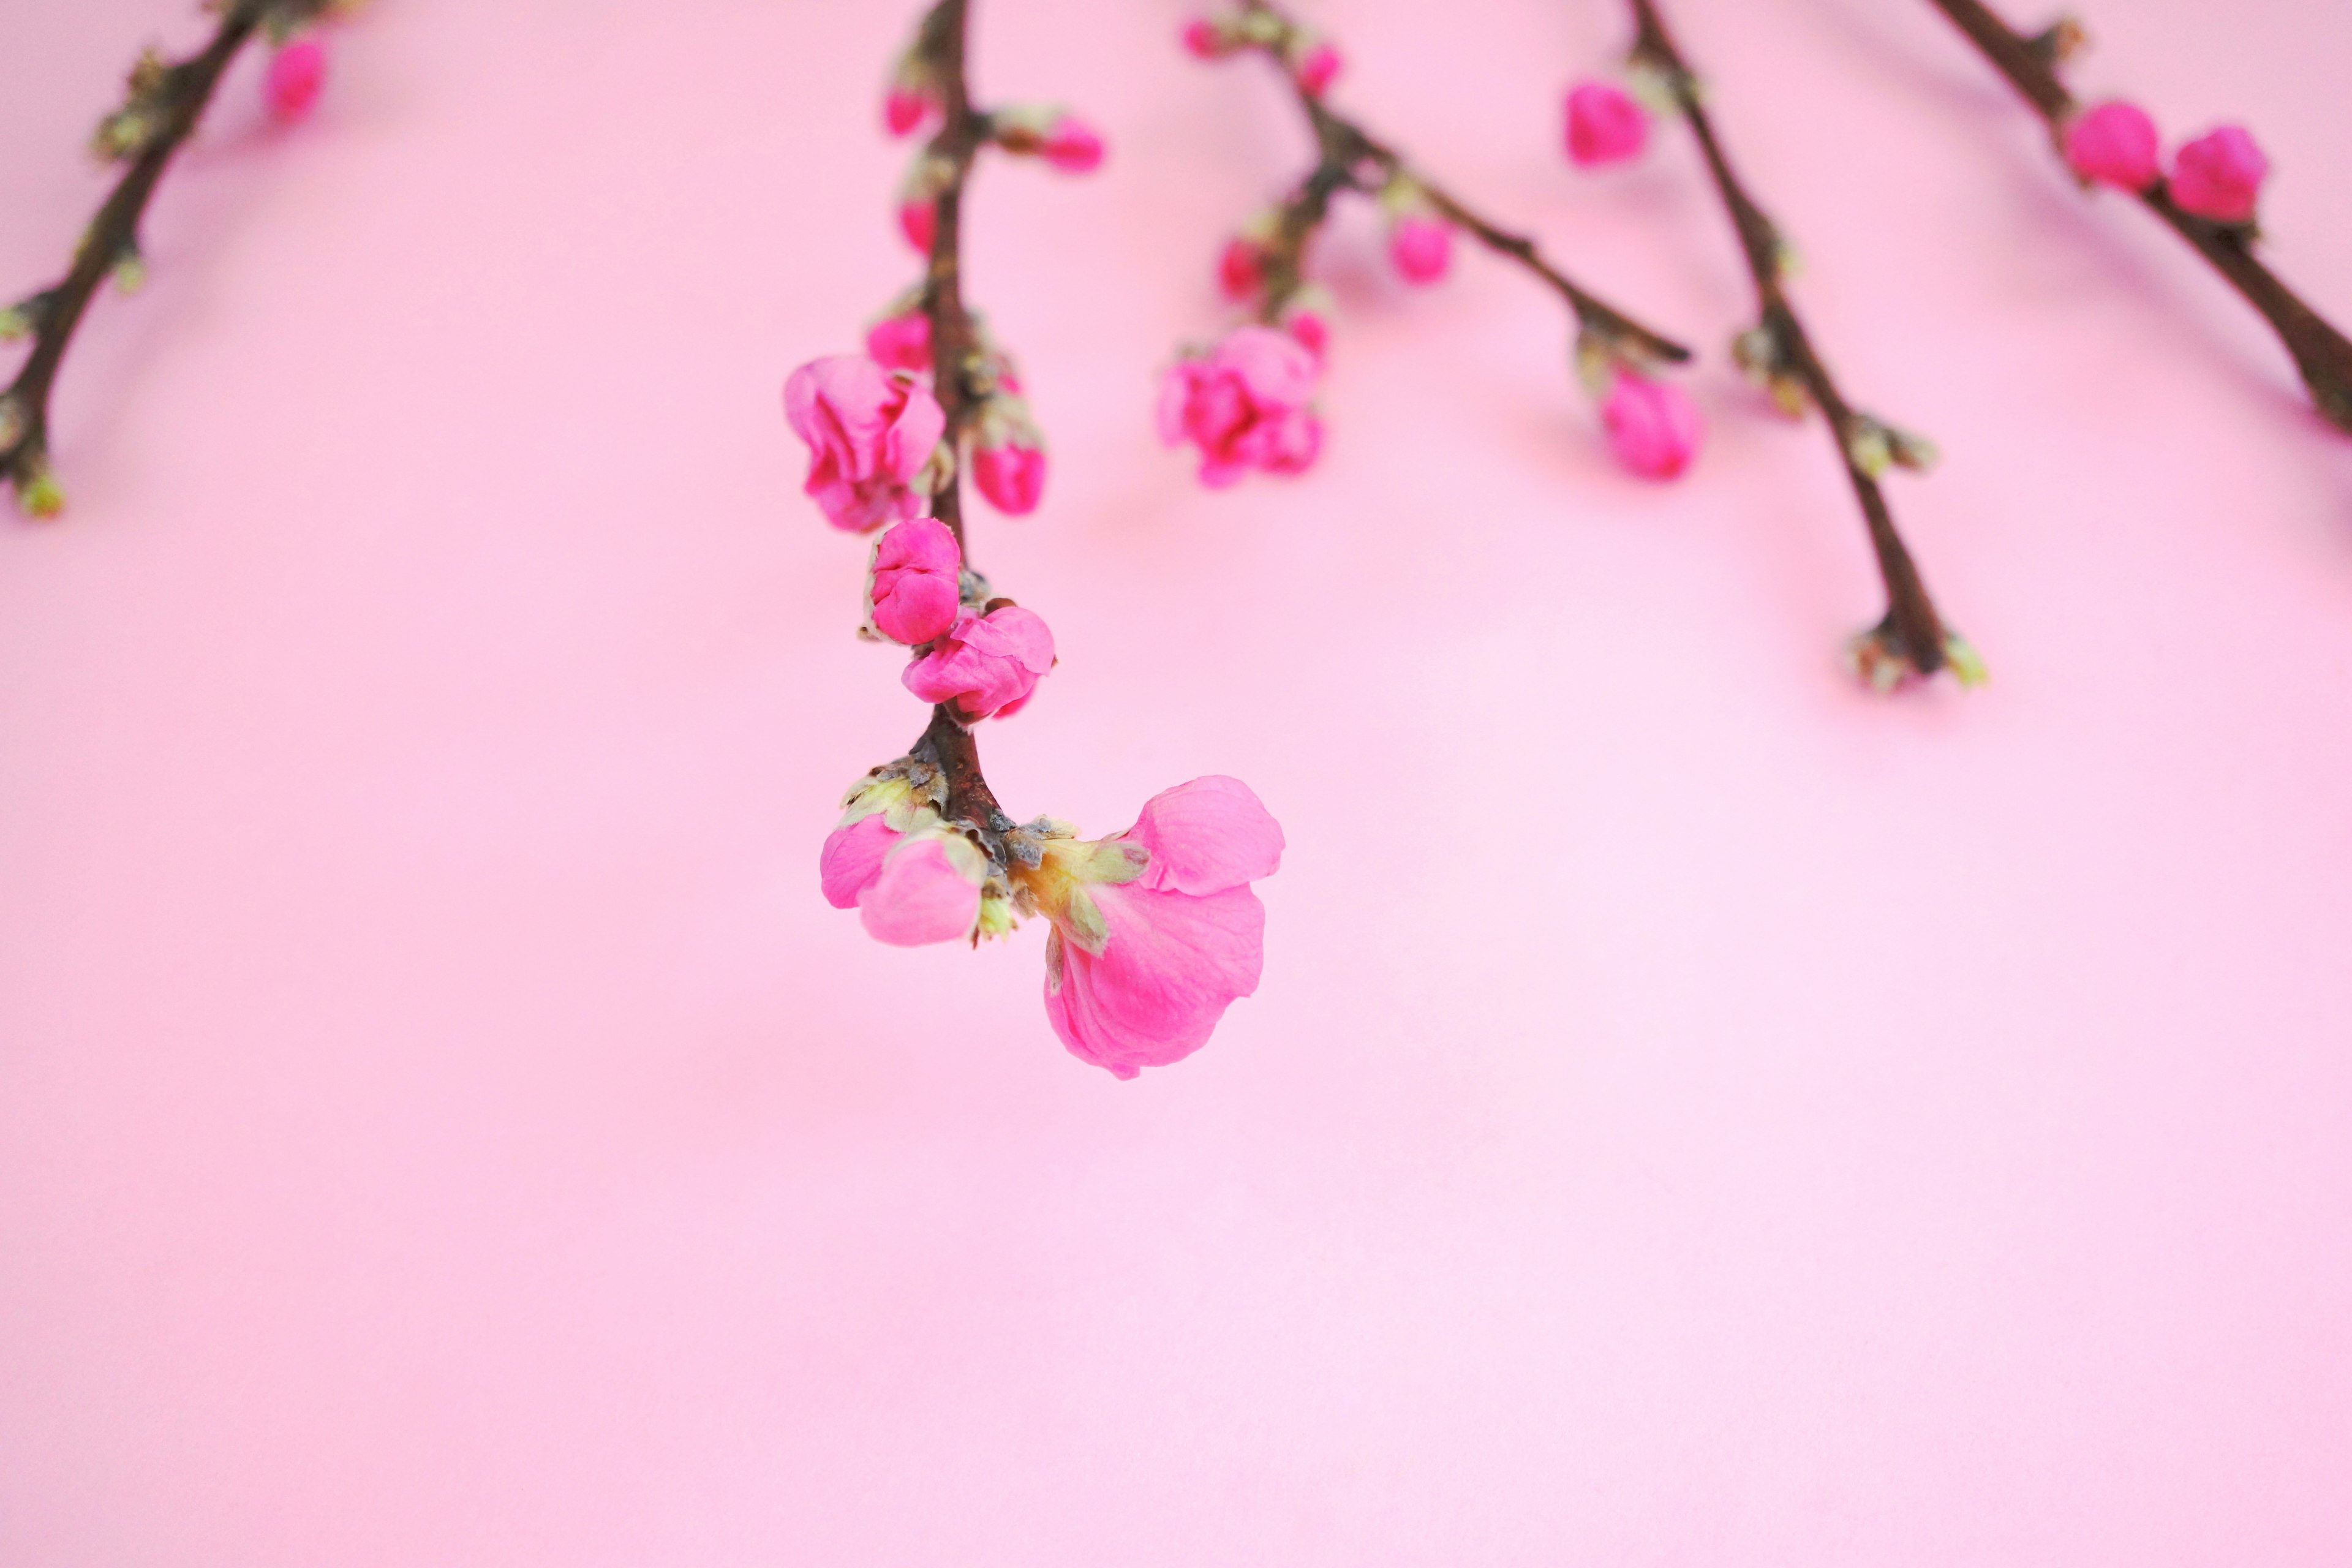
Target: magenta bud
x=2113 y=143
x=1604 y=125
x=2220 y=176
x=1013 y=476
x=297 y=73
x=1421 y=247
x=1653 y=426
x=901 y=343
x=1072 y=146
x=912 y=591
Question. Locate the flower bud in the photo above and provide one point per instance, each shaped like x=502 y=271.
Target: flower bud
x=1247 y=403
x=911 y=593
x=1653 y=426
x=297 y=73
x=1241 y=269
x=2113 y=143
x=920 y=222
x=1072 y=146
x=1421 y=247
x=1313 y=62
x=927 y=890
x=1205 y=40
x=901 y=343
x=1604 y=125
x=2220 y=176
x=986 y=666
x=1013 y=476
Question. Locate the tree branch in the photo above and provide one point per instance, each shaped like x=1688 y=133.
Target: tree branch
x=2321 y=354
x=1911 y=637
x=166 y=103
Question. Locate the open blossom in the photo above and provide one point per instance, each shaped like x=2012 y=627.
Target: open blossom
x=869 y=434
x=1604 y=125
x=985 y=666
x=297 y=73
x=2220 y=176
x=1420 y=247
x=2113 y=143
x=1245 y=404
x=912 y=588
x=1156 y=930
x=901 y=342
x=1653 y=426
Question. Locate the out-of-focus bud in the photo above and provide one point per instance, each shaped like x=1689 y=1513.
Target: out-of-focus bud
x=1604 y=125
x=1011 y=470
x=297 y=74
x=1240 y=268
x=130 y=271
x=2060 y=42
x=1073 y=146
x=2113 y=143
x=38 y=494
x=901 y=342
x=1313 y=62
x=1307 y=315
x=1880 y=660
x=1205 y=39
x=918 y=215
x=1653 y=426
x=2220 y=176
x=1421 y=247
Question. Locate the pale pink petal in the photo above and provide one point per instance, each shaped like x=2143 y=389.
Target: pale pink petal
x=921 y=898
x=852 y=858
x=1207 y=835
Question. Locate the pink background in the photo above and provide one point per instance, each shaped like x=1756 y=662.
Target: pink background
x=1694 y=1114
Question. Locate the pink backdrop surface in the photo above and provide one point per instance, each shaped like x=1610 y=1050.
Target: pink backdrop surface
x=1695 y=1113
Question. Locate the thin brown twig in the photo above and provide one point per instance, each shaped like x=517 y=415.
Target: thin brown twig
x=166 y=103
x=958 y=375
x=1913 y=636
x=1345 y=151
x=2321 y=354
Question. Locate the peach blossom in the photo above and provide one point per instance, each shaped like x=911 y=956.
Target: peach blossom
x=1011 y=475
x=1244 y=405
x=2220 y=176
x=2113 y=143
x=985 y=666
x=1654 y=426
x=297 y=74
x=1421 y=247
x=913 y=587
x=928 y=890
x=869 y=434
x=901 y=343
x=1604 y=125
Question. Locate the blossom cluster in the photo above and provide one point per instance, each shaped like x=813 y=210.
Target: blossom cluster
x=1155 y=931
x=1247 y=402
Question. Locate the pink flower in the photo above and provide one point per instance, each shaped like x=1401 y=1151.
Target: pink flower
x=901 y=343
x=1421 y=247
x=1203 y=39
x=905 y=108
x=869 y=434
x=1245 y=405
x=927 y=890
x=1156 y=931
x=2113 y=143
x=1316 y=67
x=852 y=858
x=1654 y=426
x=2220 y=176
x=912 y=588
x=1011 y=475
x=1240 y=269
x=1072 y=146
x=1604 y=125
x=296 y=72
x=920 y=222
x=986 y=666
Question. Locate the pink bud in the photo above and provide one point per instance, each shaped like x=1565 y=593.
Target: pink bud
x=1203 y=39
x=853 y=859
x=920 y=222
x=2113 y=143
x=1239 y=270
x=2220 y=176
x=986 y=664
x=926 y=893
x=901 y=343
x=1604 y=125
x=912 y=592
x=1317 y=67
x=296 y=72
x=1421 y=247
x=1073 y=146
x=1653 y=426
x=1011 y=475
x=1312 y=331
x=904 y=109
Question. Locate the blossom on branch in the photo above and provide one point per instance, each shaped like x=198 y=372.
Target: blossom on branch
x=871 y=433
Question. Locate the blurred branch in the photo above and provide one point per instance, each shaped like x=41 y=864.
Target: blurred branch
x=1911 y=637
x=2321 y=353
